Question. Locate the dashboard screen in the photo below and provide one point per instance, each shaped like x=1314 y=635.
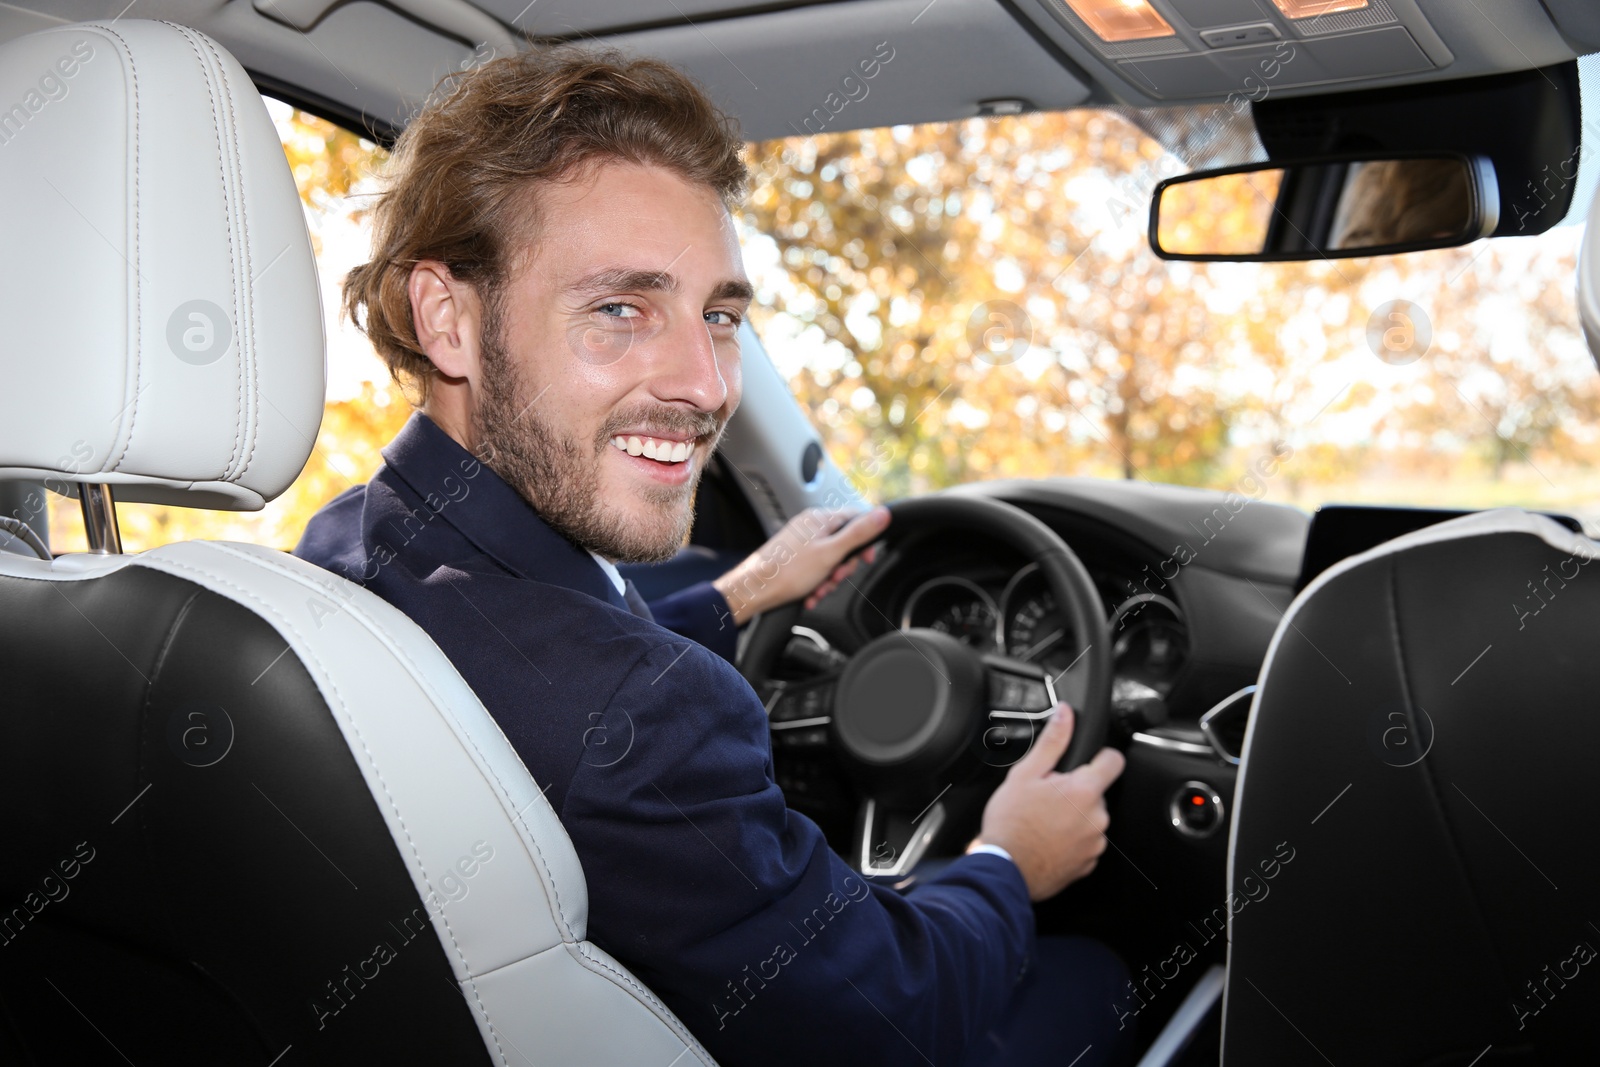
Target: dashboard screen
x=1341 y=530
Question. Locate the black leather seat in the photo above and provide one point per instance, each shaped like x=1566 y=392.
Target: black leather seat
x=196 y=870
x=1413 y=872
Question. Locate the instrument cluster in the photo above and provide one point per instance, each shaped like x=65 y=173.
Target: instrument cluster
x=1021 y=619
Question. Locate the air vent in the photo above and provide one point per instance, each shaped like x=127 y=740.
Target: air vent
x=1224 y=726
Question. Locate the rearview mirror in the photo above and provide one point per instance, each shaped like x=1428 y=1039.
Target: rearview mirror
x=1330 y=207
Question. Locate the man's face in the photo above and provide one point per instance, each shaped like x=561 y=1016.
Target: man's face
x=611 y=361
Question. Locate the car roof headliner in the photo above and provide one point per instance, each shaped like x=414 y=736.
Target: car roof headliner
x=772 y=64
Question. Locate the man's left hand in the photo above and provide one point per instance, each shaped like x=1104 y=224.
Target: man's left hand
x=804 y=559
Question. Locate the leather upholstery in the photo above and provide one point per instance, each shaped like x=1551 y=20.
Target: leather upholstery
x=1422 y=748
x=163 y=326
x=367 y=762
x=251 y=807
x=200 y=926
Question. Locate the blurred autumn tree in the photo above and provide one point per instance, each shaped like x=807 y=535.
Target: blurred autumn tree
x=1508 y=379
x=327 y=161
x=1000 y=308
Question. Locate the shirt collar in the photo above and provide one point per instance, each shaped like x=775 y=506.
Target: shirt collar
x=611 y=571
x=490 y=514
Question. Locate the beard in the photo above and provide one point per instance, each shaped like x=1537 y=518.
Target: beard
x=559 y=474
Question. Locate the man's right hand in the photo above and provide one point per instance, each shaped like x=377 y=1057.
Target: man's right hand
x=1052 y=823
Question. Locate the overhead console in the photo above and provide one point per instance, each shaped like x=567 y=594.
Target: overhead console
x=1223 y=46
x=1166 y=51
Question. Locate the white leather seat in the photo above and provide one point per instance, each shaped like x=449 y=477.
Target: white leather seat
x=356 y=803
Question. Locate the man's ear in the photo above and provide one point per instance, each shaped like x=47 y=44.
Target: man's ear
x=447 y=316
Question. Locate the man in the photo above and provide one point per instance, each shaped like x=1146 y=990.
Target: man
x=556 y=275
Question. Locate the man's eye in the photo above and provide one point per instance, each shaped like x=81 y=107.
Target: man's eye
x=722 y=318
x=619 y=310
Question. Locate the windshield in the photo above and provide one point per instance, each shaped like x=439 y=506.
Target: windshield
x=978 y=299
x=981 y=296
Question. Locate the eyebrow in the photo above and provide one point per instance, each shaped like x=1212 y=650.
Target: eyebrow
x=734 y=289
x=627 y=279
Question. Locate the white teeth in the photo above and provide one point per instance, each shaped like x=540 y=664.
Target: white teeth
x=659 y=450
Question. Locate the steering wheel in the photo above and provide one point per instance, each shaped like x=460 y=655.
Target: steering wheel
x=912 y=709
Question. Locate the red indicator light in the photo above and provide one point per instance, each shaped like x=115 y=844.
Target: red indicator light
x=1197 y=799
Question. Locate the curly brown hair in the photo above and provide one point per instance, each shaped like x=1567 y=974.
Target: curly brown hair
x=462 y=184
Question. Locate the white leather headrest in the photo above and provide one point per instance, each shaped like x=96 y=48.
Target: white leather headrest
x=1589 y=278
x=160 y=326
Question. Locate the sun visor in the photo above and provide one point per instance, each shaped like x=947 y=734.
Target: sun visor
x=853 y=66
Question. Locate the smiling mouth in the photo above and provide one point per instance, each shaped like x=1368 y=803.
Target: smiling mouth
x=656 y=448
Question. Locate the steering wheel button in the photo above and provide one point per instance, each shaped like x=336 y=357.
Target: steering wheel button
x=1005 y=692
x=1017 y=694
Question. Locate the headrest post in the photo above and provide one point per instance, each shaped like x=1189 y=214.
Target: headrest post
x=100 y=520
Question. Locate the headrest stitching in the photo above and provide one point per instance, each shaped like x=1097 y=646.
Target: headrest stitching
x=247 y=305
x=136 y=306
x=233 y=280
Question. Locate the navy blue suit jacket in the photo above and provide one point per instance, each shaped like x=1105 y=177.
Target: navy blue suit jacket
x=655 y=754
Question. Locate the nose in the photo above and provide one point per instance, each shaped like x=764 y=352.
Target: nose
x=688 y=367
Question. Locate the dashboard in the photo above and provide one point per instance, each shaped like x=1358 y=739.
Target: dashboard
x=1193 y=584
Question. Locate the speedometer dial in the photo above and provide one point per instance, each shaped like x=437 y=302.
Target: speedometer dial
x=1035 y=628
